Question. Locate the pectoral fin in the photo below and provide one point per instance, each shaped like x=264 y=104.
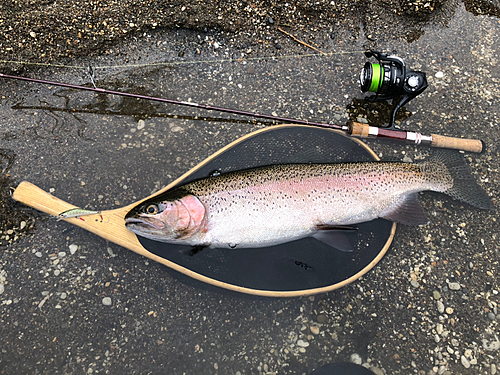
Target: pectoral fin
x=408 y=211
x=332 y=235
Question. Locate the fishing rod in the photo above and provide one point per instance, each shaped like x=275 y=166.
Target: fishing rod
x=354 y=129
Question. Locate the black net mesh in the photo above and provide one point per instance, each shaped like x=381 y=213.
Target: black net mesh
x=302 y=265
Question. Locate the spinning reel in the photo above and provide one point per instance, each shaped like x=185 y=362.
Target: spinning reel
x=389 y=79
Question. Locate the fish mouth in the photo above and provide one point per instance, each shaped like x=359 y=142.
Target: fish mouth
x=134 y=222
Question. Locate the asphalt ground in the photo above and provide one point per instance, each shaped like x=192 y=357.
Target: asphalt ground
x=72 y=303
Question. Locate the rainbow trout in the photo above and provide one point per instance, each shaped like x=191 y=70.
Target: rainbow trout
x=274 y=204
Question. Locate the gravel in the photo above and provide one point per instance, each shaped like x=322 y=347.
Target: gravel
x=430 y=306
x=69 y=29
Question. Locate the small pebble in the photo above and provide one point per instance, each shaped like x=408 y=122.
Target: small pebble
x=106 y=301
x=493 y=369
x=465 y=361
x=491 y=345
x=449 y=310
x=314 y=330
x=38 y=254
x=302 y=343
x=376 y=370
x=73 y=249
x=356 y=358
x=110 y=252
x=454 y=286
x=491 y=316
x=140 y=124
x=439 y=75
x=436 y=295
x=440 y=307
x=23 y=224
x=63 y=295
x=61 y=254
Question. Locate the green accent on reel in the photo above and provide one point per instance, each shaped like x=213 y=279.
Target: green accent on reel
x=376 y=78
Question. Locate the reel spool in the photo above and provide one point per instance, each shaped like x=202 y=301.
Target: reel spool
x=389 y=79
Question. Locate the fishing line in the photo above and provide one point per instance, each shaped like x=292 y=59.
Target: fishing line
x=192 y=62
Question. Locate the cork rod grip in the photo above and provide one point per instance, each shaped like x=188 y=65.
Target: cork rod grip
x=357 y=129
x=471 y=145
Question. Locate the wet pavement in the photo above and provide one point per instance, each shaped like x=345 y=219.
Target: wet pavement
x=72 y=303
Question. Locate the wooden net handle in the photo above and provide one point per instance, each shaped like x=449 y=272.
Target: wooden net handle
x=35 y=197
x=108 y=224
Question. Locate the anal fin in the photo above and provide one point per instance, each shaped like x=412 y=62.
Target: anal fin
x=332 y=235
x=407 y=211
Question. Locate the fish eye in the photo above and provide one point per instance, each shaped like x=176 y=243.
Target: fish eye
x=152 y=209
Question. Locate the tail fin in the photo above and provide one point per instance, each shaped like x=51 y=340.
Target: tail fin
x=465 y=187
